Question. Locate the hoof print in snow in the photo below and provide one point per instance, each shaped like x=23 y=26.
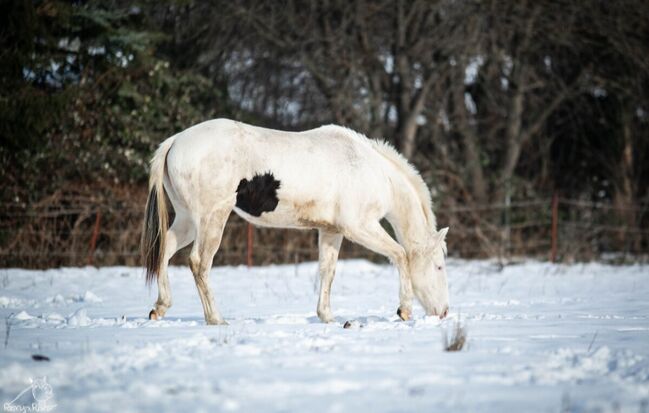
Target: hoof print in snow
x=347 y=324
x=40 y=357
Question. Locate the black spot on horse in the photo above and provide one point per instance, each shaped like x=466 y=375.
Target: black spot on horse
x=258 y=195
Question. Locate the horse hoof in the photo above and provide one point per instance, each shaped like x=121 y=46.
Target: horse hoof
x=216 y=323
x=153 y=315
x=404 y=314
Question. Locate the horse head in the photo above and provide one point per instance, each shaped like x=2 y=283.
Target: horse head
x=428 y=272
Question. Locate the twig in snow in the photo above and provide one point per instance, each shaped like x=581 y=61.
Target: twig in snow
x=592 y=341
x=7 y=328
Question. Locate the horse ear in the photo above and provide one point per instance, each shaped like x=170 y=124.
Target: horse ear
x=438 y=239
x=441 y=234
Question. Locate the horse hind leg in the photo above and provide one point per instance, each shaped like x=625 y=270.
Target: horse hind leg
x=206 y=245
x=179 y=235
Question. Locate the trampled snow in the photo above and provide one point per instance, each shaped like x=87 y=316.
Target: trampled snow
x=541 y=337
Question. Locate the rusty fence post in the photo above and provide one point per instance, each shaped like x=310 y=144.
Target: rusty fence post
x=250 y=246
x=93 y=239
x=555 y=227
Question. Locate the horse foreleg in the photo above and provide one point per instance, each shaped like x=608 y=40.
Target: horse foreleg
x=205 y=247
x=329 y=246
x=178 y=236
x=405 y=296
x=374 y=237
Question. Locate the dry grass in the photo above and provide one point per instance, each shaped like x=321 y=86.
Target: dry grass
x=457 y=339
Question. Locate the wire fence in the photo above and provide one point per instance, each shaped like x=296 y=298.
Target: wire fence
x=75 y=232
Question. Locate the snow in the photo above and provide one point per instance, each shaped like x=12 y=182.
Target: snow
x=541 y=337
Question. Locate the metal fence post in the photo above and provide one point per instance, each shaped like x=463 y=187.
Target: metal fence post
x=555 y=227
x=93 y=239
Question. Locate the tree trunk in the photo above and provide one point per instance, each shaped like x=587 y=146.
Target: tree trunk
x=624 y=195
x=470 y=139
x=407 y=137
x=513 y=142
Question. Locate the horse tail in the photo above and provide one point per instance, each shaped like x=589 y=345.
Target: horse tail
x=156 y=219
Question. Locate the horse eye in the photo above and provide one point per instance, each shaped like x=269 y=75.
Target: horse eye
x=439 y=267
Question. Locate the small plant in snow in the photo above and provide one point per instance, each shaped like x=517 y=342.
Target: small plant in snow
x=457 y=339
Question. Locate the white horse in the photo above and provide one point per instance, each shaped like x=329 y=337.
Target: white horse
x=331 y=179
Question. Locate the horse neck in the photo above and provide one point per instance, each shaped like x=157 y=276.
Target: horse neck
x=407 y=217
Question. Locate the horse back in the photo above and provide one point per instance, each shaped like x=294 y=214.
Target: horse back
x=321 y=178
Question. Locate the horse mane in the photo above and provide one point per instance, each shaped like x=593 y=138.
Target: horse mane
x=414 y=178
x=387 y=151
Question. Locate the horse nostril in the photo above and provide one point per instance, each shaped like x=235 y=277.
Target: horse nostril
x=444 y=314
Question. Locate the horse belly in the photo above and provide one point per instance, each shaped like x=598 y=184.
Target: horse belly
x=269 y=201
x=306 y=214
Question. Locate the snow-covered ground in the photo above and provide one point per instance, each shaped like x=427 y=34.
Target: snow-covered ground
x=541 y=337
